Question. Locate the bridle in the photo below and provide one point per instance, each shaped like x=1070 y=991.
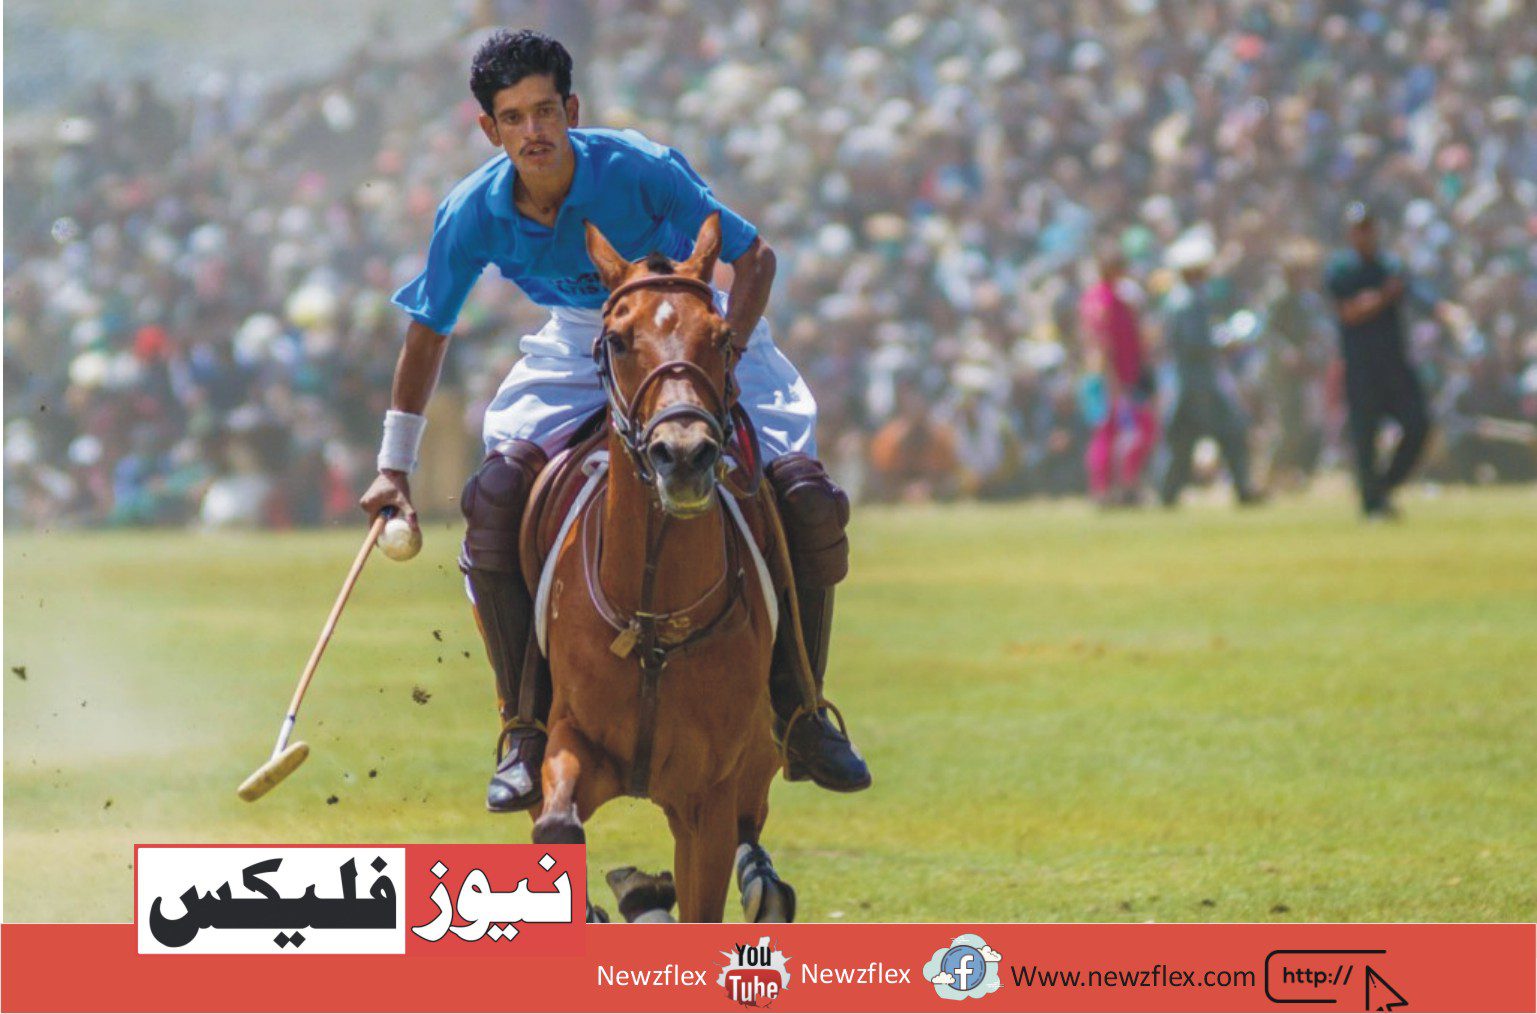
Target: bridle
x=634 y=433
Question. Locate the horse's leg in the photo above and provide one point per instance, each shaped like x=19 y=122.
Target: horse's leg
x=594 y=913
x=702 y=891
x=765 y=897
x=682 y=858
x=576 y=783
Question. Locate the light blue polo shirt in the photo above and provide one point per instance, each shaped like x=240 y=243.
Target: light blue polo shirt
x=644 y=197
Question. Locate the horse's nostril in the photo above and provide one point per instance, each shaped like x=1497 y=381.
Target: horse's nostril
x=662 y=456
x=703 y=455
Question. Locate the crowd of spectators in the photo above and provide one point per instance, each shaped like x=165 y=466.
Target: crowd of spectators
x=197 y=326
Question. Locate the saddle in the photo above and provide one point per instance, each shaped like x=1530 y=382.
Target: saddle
x=555 y=490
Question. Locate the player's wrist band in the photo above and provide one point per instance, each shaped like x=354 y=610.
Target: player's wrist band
x=402 y=440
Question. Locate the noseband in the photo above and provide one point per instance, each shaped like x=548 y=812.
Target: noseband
x=635 y=434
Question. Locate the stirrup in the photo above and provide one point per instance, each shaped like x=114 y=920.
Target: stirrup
x=799 y=713
x=512 y=725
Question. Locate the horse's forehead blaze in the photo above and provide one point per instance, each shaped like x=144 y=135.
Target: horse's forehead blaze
x=671 y=332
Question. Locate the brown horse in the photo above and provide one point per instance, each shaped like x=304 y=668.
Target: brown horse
x=660 y=631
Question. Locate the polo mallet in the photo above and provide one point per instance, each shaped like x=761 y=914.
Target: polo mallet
x=285 y=757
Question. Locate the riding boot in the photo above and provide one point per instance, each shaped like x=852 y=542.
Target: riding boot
x=493 y=503
x=818 y=747
x=815 y=513
x=504 y=609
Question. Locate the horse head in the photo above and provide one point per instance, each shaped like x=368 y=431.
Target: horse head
x=665 y=356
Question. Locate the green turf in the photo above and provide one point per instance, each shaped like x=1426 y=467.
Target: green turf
x=1210 y=715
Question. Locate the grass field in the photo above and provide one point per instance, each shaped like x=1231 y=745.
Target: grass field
x=1201 y=716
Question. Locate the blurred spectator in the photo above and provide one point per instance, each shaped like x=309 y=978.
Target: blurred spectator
x=1124 y=437
x=1296 y=349
x=1369 y=289
x=1202 y=404
x=913 y=457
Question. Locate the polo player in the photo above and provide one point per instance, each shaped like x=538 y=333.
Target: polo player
x=524 y=211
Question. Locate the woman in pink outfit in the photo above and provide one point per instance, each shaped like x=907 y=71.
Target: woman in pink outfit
x=1124 y=438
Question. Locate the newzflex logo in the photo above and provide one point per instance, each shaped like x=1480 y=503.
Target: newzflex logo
x=508 y=900
x=967 y=968
x=263 y=900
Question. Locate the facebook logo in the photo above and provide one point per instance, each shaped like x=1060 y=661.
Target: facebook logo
x=967 y=968
x=966 y=965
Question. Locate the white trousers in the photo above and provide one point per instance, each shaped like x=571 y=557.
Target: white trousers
x=554 y=388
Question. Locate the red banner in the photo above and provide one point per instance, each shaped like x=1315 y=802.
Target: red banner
x=816 y=967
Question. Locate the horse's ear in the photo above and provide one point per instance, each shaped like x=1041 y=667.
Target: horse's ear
x=612 y=266
x=701 y=264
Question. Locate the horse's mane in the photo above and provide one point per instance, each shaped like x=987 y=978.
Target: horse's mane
x=659 y=263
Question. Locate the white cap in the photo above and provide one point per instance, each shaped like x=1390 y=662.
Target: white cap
x=1194 y=249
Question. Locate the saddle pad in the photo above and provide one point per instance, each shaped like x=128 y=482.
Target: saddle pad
x=549 y=502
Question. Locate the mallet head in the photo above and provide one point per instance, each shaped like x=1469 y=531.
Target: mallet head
x=275 y=770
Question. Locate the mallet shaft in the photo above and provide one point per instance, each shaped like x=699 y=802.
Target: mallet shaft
x=286 y=758
x=330 y=627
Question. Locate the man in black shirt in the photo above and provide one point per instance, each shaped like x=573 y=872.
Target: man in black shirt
x=1368 y=289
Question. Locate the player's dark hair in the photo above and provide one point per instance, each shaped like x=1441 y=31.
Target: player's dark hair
x=508 y=57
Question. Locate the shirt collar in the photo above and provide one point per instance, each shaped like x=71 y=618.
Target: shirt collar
x=581 y=179
x=499 y=195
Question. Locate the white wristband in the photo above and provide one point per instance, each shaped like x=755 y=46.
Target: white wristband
x=402 y=440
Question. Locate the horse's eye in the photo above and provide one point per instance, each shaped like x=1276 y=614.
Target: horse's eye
x=615 y=343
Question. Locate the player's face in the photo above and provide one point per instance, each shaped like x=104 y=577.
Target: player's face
x=530 y=124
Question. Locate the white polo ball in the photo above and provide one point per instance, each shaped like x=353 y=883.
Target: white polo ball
x=400 y=540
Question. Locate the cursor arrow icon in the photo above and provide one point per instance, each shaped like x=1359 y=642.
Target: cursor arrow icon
x=1380 y=995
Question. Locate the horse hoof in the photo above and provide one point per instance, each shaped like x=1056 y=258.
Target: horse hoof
x=643 y=897
x=768 y=899
x=559 y=829
x=765 y=897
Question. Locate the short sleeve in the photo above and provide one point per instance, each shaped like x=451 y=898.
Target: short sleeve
x=685 y=200
x=454 y=262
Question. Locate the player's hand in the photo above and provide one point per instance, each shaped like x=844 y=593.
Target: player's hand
x=389 y=489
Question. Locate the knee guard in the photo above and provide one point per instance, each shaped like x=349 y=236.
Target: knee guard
x=815 y=513
x=493 y=504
